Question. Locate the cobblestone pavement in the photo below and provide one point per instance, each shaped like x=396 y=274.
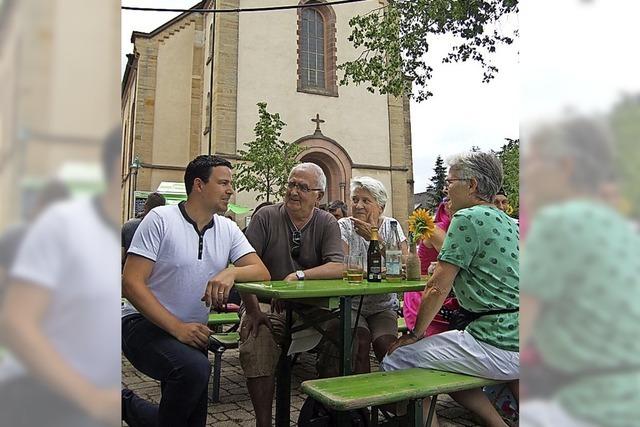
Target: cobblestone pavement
x=234 y=408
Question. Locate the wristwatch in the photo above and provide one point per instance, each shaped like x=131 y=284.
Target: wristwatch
x=300 y=274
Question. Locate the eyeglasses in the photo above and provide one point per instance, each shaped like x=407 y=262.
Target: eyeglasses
x=296 y=243
x=301 y=187
x=448 y=181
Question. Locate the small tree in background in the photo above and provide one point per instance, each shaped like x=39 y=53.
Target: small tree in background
x=509 y=156
x=264 y=167
x=435 y=190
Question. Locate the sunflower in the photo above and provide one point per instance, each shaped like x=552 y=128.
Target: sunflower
x=421 y=225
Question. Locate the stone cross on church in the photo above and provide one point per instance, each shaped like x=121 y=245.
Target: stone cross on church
x=317 y=121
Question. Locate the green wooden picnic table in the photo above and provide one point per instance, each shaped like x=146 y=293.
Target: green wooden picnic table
x=330 y=294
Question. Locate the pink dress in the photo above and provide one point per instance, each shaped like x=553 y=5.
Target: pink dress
x=412 y=300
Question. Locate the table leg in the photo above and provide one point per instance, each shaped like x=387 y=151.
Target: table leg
x=345 y=335
x=432 y=409
x=415 y=416
x=283 y=381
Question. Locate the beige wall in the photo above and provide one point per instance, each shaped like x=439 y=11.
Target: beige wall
x=84 y=59
x=64 y=97
x=267 y=72
x=173 y=99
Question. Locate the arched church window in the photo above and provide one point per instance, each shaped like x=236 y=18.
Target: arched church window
x=317 y=50
x=312 y=54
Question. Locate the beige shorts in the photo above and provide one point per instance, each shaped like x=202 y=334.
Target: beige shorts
x=259 y=355
x=379 y=324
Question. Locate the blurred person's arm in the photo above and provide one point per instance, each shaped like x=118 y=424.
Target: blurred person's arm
x=24 y=312
x=529 y=312
x=137 y=270
x=435 y=292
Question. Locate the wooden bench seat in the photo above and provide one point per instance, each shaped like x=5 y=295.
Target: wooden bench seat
x=221 y=319
x=382 y=388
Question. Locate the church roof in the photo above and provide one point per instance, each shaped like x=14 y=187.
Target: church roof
x=167 y=24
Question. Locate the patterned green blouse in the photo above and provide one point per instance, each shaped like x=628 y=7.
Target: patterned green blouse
x=483 y=241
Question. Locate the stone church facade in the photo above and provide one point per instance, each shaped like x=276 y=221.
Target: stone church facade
x=191 y=87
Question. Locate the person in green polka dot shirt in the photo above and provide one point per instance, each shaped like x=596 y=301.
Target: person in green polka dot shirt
x=479 y=260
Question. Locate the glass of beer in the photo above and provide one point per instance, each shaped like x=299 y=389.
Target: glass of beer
x=355 y=270
x=345 y=267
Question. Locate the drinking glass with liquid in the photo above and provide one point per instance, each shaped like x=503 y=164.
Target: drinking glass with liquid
x=355 y=269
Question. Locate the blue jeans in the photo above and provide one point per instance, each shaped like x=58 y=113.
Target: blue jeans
x=183 y=372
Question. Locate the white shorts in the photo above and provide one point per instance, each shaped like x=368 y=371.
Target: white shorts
x=547 y=413
x=456 y=351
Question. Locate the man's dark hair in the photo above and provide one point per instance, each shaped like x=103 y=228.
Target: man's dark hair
x=501 y=192
x=153 y=201
x=338 y=204
x=200 y=167
x=111 y=148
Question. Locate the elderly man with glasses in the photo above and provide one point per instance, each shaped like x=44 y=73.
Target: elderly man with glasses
x=296 y=241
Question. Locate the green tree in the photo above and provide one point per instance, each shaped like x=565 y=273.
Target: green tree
x=266 y=164
x=509 y=156
x=435 y=190
x=394 y=41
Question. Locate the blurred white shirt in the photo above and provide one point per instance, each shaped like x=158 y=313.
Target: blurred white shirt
x=74 y=253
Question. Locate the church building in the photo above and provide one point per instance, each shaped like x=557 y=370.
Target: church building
x=191 y=87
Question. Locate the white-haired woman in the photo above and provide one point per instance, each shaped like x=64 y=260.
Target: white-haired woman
x=378 y=321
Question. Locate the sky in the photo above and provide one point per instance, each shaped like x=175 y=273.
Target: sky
x=549 y=70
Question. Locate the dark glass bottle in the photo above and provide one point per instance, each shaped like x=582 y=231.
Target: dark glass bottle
x=374 y=258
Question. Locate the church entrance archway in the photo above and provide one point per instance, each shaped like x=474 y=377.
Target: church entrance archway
x=333 y=160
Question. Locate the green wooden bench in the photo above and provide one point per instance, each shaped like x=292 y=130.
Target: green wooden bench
x=217 y=320
x=218 y=344
x=382 y=388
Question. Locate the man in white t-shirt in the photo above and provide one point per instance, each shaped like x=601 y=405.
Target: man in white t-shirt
x=176 y=269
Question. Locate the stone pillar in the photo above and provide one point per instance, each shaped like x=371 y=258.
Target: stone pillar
x=401 y=162
x=225 y=79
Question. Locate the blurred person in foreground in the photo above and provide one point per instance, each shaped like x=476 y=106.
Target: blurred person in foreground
x=377 y=325
x=129 y=228
x=54 y=191
x=297 y=241
x=580 y=283
x=60 y=314
x=479 y=260
x=428 y=250
x=176 y=269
